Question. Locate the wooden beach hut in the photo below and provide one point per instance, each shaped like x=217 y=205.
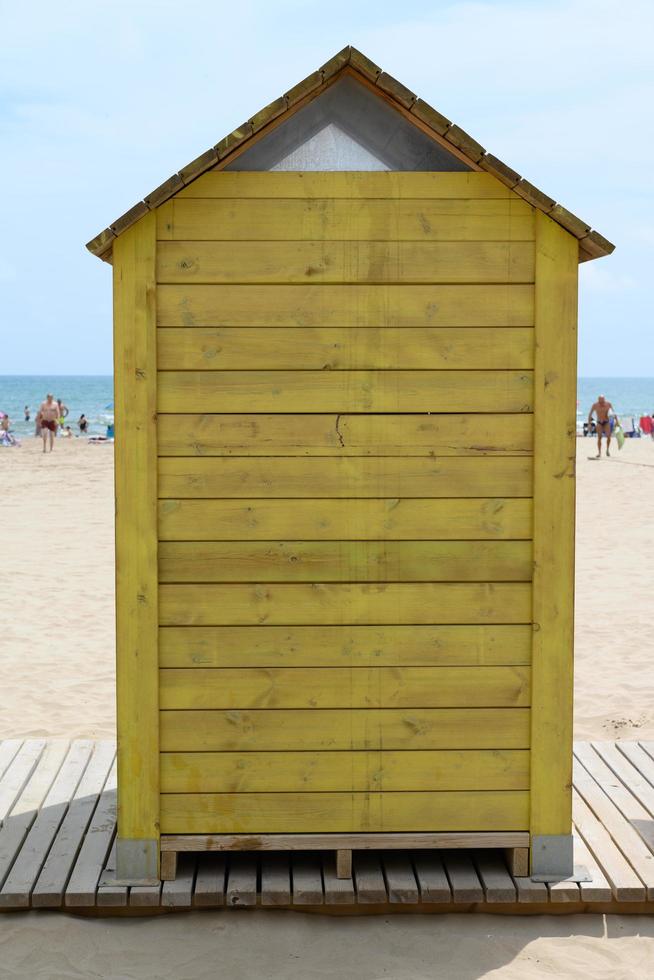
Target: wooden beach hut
x=345 y=373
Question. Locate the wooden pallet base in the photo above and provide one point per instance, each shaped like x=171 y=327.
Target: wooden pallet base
x=514 y=843
x=58 y=850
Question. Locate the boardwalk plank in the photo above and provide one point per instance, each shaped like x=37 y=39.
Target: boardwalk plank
x=83 y=884
x=431 y=877
x=464 y=880
x=178 y=894
x=496 y=881
x=210 y=880
x=241 y=880
x=306 y=875
x=625 y=883
x=26 y=808
x=275 y=879
x=18 y=773
x=110 y=895
x=566 y=890
x=615 y=806
x=598 y=888
x=531 y=891
x=8 y=749
x=401 y=881
x=639 y=758
x=368 y=878
x=49 y=889
x=21 y=879
x=338 y=891
x=626 y=765
x=145 y=896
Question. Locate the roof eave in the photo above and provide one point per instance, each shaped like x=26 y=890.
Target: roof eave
x=592 y=245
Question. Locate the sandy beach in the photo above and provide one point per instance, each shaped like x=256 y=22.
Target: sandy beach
x=58 y=679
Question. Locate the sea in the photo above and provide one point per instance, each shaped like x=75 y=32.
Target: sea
x=93 y=395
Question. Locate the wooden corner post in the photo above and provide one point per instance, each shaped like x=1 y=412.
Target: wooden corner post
x=555 y=386
x=135 y=399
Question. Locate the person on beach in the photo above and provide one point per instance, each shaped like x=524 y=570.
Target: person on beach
x=602 y=408
x=5 y=423
x=47 y=417
x=27 y=413
x=63 y=412
x=83 y=424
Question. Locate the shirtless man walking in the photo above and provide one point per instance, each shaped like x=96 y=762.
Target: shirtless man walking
x=603 y=424
x=47 y=416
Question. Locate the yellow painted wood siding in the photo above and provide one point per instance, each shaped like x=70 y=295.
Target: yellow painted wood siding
x=554 y=521
x=294 y=772
x=344 y=687
x=345 y=348
x=189 y=813
x=344 y=646
x=265 y=434
x=345 y=423
x=137 y=693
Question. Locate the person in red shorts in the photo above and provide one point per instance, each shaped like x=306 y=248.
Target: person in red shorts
x=47 y=418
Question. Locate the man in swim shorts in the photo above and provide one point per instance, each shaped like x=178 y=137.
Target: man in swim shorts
x=601 y=408
x=47 y=417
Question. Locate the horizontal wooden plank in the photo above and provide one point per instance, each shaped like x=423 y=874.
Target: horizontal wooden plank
x=345 y=306
x=467 y=840
x=363 y=519
x=345 y=561
x=344 y=348
x=317 y=477
x=320 y=812
x=337 y=729
x=344 y=687
x=303 y=604
x=334 y=219
x=344 y=391
x=320 y=772
x=343 y=646
x=346 y=435
x=347 y=184
x=344 y=262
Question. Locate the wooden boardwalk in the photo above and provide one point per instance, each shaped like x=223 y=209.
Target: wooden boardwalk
x=58 y=823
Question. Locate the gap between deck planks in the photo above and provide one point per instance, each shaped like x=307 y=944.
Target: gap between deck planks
x=57 y=849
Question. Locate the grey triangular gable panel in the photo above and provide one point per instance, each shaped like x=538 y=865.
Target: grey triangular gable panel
x=386 y=139
x=329 y=149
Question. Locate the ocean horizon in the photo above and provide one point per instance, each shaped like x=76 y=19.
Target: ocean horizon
x=93 y=395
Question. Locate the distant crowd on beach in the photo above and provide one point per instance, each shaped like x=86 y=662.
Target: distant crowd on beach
x=49 y=422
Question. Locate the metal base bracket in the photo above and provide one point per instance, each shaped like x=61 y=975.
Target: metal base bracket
x=552 y=856
x=137 y=862
x=109 y=879
x=579 y=874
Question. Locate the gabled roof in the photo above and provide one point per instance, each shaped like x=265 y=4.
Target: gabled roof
x=591 y=244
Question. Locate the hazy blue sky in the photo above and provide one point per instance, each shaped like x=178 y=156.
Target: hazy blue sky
x=100 y=102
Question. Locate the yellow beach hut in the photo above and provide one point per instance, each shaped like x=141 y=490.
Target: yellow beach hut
x=345 y=348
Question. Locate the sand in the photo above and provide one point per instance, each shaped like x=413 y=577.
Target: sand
x=57 y=678
x=58 y=590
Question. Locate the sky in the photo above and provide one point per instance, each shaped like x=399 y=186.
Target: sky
x=100 y=102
